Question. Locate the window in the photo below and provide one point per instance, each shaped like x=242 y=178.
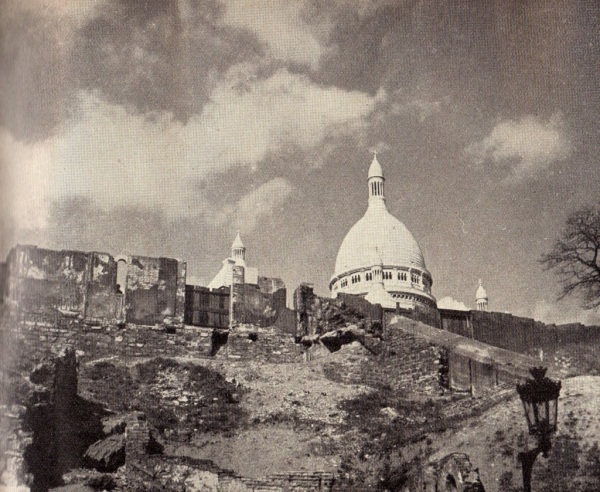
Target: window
x=402 y=276
x=414 y=278
x=368 y=277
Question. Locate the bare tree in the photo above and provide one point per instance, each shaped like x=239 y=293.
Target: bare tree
x=576 y=256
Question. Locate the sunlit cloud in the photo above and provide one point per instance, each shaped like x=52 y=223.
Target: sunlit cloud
x=527 y=147
x=259 y=203
x=117 y=158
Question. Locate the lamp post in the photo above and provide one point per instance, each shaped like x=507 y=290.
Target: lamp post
x=540 y=401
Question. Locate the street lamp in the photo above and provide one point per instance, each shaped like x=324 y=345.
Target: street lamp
x=540 y=401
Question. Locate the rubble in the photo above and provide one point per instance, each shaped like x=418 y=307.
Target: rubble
x=106 y=455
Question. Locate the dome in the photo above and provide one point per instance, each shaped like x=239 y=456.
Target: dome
x=378 y=229
x=481 y=293
x=379 y=258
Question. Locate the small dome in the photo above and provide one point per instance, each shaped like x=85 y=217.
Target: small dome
x=380 y=230
x=481 y=293
x=375 y=170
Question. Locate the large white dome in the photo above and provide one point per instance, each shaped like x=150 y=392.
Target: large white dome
x=379 y=258
x=378 y=229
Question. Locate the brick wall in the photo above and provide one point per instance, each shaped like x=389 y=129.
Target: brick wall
x=34 y=339
x=411 y=362
x=197 y=474
x=406 y=362
x=261 y=345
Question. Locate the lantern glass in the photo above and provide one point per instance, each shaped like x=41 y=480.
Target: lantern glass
x=553 y=414
x=540 y=401
x=530 y=415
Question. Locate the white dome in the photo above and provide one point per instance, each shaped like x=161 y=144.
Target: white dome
x=481 y=293
x=378 y=229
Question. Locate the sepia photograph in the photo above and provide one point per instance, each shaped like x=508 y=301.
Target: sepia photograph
x=299 y=245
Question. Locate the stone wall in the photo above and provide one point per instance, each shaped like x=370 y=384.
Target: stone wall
x=473 y=366
x=49 y=425
x=156 y=472
x=406 y=363
x=44 y=282
x=155 y=291
x=317 y=315
x=33 y=340
x=252 y=343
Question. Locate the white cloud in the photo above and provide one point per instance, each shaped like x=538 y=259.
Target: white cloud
x=261 y=202
x=279 y=24
x=450 y=303
x=527 y=147
x=563 y=312
x=117 y=158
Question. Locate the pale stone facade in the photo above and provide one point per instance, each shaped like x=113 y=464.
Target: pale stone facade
x=379 y=258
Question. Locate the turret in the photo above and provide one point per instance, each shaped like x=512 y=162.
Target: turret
x=375 y=181
x=481 y=298
x=238 y=250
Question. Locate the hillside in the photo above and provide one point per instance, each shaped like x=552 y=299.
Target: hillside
x=292 y=418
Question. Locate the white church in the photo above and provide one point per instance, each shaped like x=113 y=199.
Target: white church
x=379 y=259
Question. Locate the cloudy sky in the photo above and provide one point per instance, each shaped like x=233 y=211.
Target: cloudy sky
x=160 y=127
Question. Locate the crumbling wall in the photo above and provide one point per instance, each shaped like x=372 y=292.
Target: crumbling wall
x=154 y=291
x=104 y=304
x=248 y=342
x=46 y=281
x=50 y=426
x=411 y=362
x=318 y=315
x=53 y=284
x=404 y=363
x=264 y=303
x=31 y=341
